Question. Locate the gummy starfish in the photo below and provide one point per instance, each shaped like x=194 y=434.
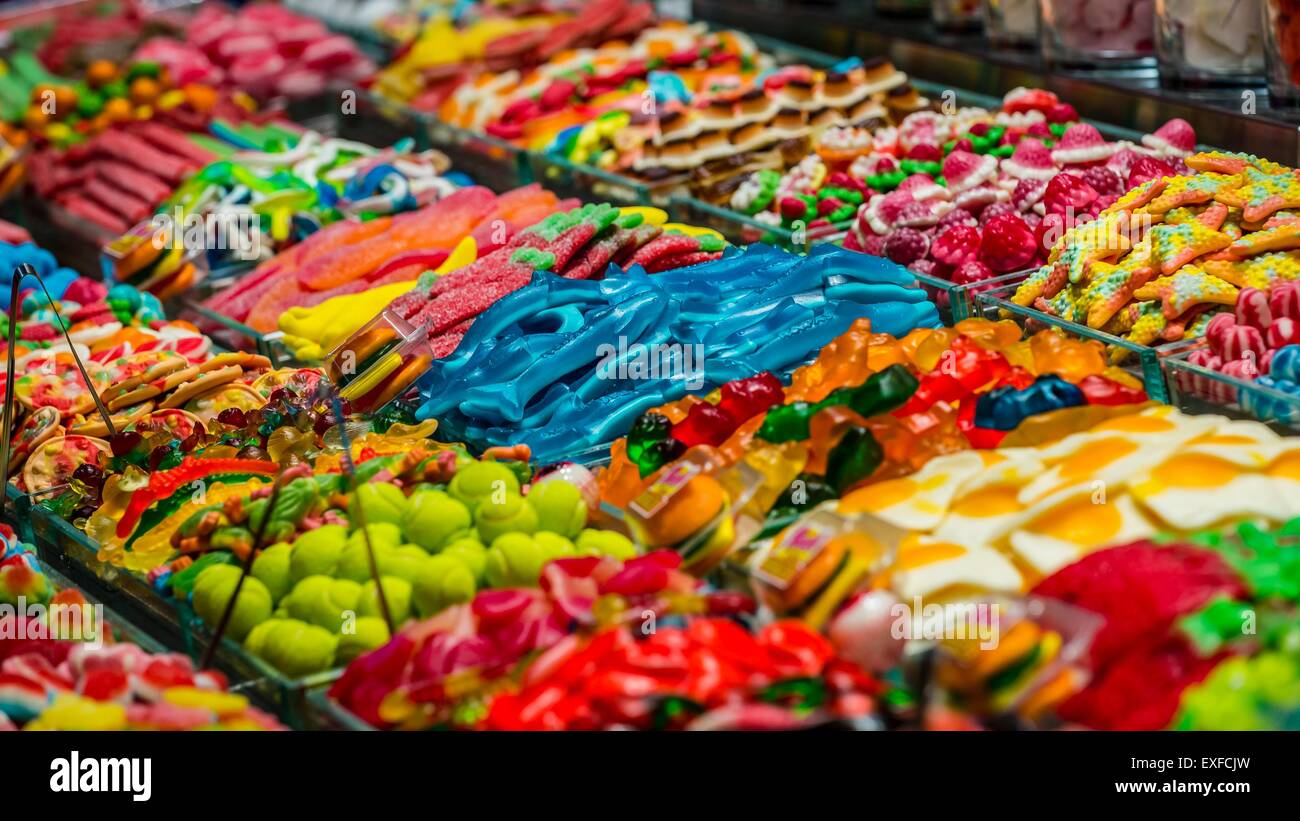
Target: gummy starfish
x=1262 y=194
x=1140 y=323
x=1188 y=287
x=1112 y=286
x=1173 y=246
x=1282 y=238
x=1102 y=239
x=1258 y=271
x=1232 y=162
x=1138 y=197
x=1045 y=281
x=1195 y=190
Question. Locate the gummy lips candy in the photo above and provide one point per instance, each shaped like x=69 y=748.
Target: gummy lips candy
x=564 y=366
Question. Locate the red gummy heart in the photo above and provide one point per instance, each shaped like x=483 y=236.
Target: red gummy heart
x=1008 y=244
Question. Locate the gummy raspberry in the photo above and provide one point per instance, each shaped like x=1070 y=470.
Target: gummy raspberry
x=1008 y=244
x=969 y=272
x=1104 y=180
x=963 y=145
x=922 y=266
x=1145 y=169
x=1027 y=194
x=873 y=244
x=916 y=215
x=925 y=153
x=1061 y=113
x=979 y=129
x=957 y=216
x=906 y=245
x=956 y=245
x=1068 y=194
x=997 y=209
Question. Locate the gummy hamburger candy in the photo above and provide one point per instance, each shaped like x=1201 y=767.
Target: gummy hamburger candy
x=477 y=395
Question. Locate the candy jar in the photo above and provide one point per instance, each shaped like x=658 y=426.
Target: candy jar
x=1282 y=50
x=1011 y=22
x=1216 y=41
x=956 y=15
x=1097 y=33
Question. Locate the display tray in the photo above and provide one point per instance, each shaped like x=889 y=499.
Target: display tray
x=233 y=335
x=1197 y=389
x=324 y=713
x=170 y=621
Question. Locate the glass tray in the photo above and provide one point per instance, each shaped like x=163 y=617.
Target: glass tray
x=1197 y=389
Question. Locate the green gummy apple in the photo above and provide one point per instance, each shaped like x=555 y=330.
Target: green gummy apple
x=511 y=513
x=471 y=553
x=405 y=562
x=433 y=518
x=354 y=561
x=605 y=543
x=477 y=481
x=378 y=502
x=213 y=589
x=443 y=580
x=316 y=552
x=367 y=633
x=560 y=507
x=255 y=642
x=553 y=546
x=323 y=601
x=271 y=568
x=513 y=560
x=298 y=649
x=397 y=592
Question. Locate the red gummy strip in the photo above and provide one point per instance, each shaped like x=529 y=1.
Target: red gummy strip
x=135 y=151
x=641 y=235
x=569 y=243
x=130 y=207
x=169 y=139
x=682 y=260
x=428 y=258
x=445 y=312
x=129 y=179
x=662 y=246
x=593 y=259
x=93 y=212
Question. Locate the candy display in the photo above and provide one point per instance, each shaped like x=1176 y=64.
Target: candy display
x=416 y=429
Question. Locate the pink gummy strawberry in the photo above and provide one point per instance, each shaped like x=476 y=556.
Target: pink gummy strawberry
x=1105 y=180
x=1027 y=194
x=969 y=272
x=958 y=216
x=1029 y=99
x=956 y=245
x=1082 y=143
x=1008 y=244
x=1068 y=194
x=906 y=245
x=1174 y=138
x=963 y=170
x=925 y=153
x=916 y=215
x=1145 y=169
x=1061 y=113
x=1031 y=160
x=1040 y=131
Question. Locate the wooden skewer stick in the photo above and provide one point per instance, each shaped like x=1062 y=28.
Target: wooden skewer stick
x=247 y=568
x=72 y=349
